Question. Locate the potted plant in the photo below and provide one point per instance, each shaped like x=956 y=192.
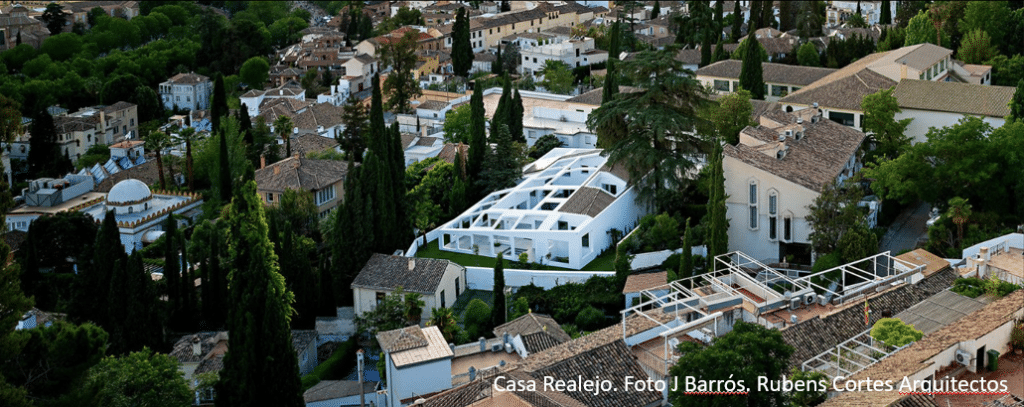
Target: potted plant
x=1017 y=337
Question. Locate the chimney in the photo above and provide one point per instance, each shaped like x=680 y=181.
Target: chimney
x=263 y=161
x=983 y=252
x=412 y=264
x=903 y=70
x=197 y=346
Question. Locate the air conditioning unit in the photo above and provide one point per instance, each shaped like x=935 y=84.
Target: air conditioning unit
x=497 y=347
x=789 y=133
x=809 y=298
x=508 y=348
x=794 y=303
x=963 y=357
x=793 y=319
x=822 y=300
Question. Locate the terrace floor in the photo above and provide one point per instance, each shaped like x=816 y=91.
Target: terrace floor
x=1011 y=370
x=603 y=262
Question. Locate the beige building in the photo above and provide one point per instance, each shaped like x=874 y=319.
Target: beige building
x=439 y=282
x=324 y=178
x=779 y=79
x=487 y=32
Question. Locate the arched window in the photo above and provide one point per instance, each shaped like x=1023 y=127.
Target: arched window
x=131 y=209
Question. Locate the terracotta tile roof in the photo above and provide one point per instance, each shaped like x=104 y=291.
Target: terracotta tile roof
x=818 y=334
x=300 y=174
x=335 y=389
x=118 y=106
x=812 y=161
x=772 y=72
x=413 y=345
x=612 y=361
x=302 y=338
x=923 y=257
x=387 y=272
x=448 y=152
x=846 y=87
x=188 y=79
x=408 y=139
x=543 y=332
x=921 y=56
x=320 y=114
x=644 y=281
x=182 y=349
x=587 y=201
x=916 y=357
x=432 y=105
x=307 y=143
x=965 y=98
x=594 y=97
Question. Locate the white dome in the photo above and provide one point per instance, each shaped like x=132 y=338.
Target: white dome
x=128 y=192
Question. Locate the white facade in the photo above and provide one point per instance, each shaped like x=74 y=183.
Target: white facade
x=337 y=95
x=546 y=113
x=253 y=99
x=452 y=283
x=925 y=120
x=419 y=370
x=186 y=91
x=561 y=214
x=574 y=53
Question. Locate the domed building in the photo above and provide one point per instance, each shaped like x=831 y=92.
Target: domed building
x=140 y=213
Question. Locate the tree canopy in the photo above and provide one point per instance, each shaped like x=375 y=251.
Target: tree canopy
x=880 y=109
x=894 y=332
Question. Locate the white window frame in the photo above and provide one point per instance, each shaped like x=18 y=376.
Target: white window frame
x=773 y=213
x=752 y=203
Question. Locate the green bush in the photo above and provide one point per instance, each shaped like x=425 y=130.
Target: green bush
x=310 y=380
x=590 y=319
x=341 y=362
x=974 y=287
x=477 y=319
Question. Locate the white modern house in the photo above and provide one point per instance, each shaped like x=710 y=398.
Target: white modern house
x=574 y=53
x=561 y=214
x=546 y=113
x=140 y=213
x=778 y=168
x=418 y=362
x=189 y=91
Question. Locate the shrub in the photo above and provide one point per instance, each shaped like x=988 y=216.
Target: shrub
x=590 y=319
x=477 y=319
x=893 y=332
x=974 y=287
x=341 y=362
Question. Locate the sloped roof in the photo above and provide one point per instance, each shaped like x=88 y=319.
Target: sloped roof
x=402 y=339
x=307 y=143
x=921 y=56
x=594 y=97
x=812 y=162
x=587 y=201
x=414 y=345
x=932 y=263
x=336 y=389
x=188 y=79
x=841 y=92
x=772 y=72
x=300 y=174
x=435 y=105
x=965 y=98
x=387 y=272
x=645 y=281
x=532 y=323
x=320 y=114
x=612 y=361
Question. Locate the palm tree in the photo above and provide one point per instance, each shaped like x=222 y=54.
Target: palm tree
x=445 y=321
x=157 y=141
x=959 y=212
x=283 y=126
x=414 y=307
x=187 y=136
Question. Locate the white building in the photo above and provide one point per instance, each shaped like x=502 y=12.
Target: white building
x=773 y=175
x=439 y=282
x=546 y=113
x=418 y=362
x=561 y=214
x=254 y=98
x=574 y=53
x=140 y=213
x=187 y=91
x=941 y=104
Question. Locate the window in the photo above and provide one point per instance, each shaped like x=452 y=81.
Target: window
x=456 y=287
x=778 y=90
x=735 y=86
x=563 y=225
x=787 y=228
x=380 y=298
x=721 y=86
x=773 y=204
x=325 y=195
x=612 y=189
x=443 y=303
x=586 y=240
x=753 y=205
x=270 y=197
x=845 y=119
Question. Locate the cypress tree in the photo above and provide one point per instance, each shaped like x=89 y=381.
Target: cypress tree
x=656 y=11
x=218 y=104
x=143 y=320
x=172 y=271
x=477 y=135
x=498 y=310
x=751 y=77
x=17 y=39
x=718 y=225
x=1017 y=104
x=755 y=16
x=686 y=257
x=225 y=168
x=403 y=231
x=44 y=153
x=611 y=83
x=94 y=281
x=515 y=123
x=377 y=129
x=260 y=367
x=462 y=50
x=720 y=54
x=737 y=22
x=497 y=67
x=785 y=16
x=503 y=112
x=187 y=285
x=705 y=44
x=767 y=13
x=719 y=18
x=886 y=13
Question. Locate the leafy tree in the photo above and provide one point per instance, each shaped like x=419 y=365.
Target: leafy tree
x=856 y=243
x=10 y=119
x=401 y=87
x=894 y=332
x=457 y=124
x=120 y=87
x=1017 y=104
x=661 y=119
x=731 y=116
x=751 y=77
x=959 y=212
x=255 y=72
x=54 y=18
x=544 y=145
x=747 y=352
x=807 y=55
x=590 y=319
x=500 y=308
x=353 y=138
x=391 y=313
x=62 y=47
x=558 y=77
x=921 y=30
x=502 y=168
x=880 y=109
x=14 y=301
x=477 y=319
x=520 y=307
x=140 y=378
x=445 y=321
x=1007 y=71
x=44 y=152
x=811 y=396
x=976 y=47
x=53 y=359
x=462 y=50
x=833 y=213
x=991 y=17
x=261 y=366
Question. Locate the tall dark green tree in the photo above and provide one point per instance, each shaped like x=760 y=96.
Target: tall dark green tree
x=737 y=22
x=502 y=168
x=400 y=85
x=172 y=273
x=477 y=136
x=54 y=18
x=44 y=152
x=498 y=311
x=94 y=281
x=686 y=257
x=503 y=112
x=224 y=167
x=719 y=20
x=187 y=286
x=462 y=50
x=611 y=83
x=261 y=367
x=1017 y=103
x=133 y=318
x=717 y=239
x=886 y=13
x=218 y=103
x=353 y=139
x=751 y=76
x=351 y=236
x=515 y=122
x=205 y=250
x=497 y=66
x=403 y=230
x=656 y=11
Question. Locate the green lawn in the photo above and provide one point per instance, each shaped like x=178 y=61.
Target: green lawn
x=604 y=262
